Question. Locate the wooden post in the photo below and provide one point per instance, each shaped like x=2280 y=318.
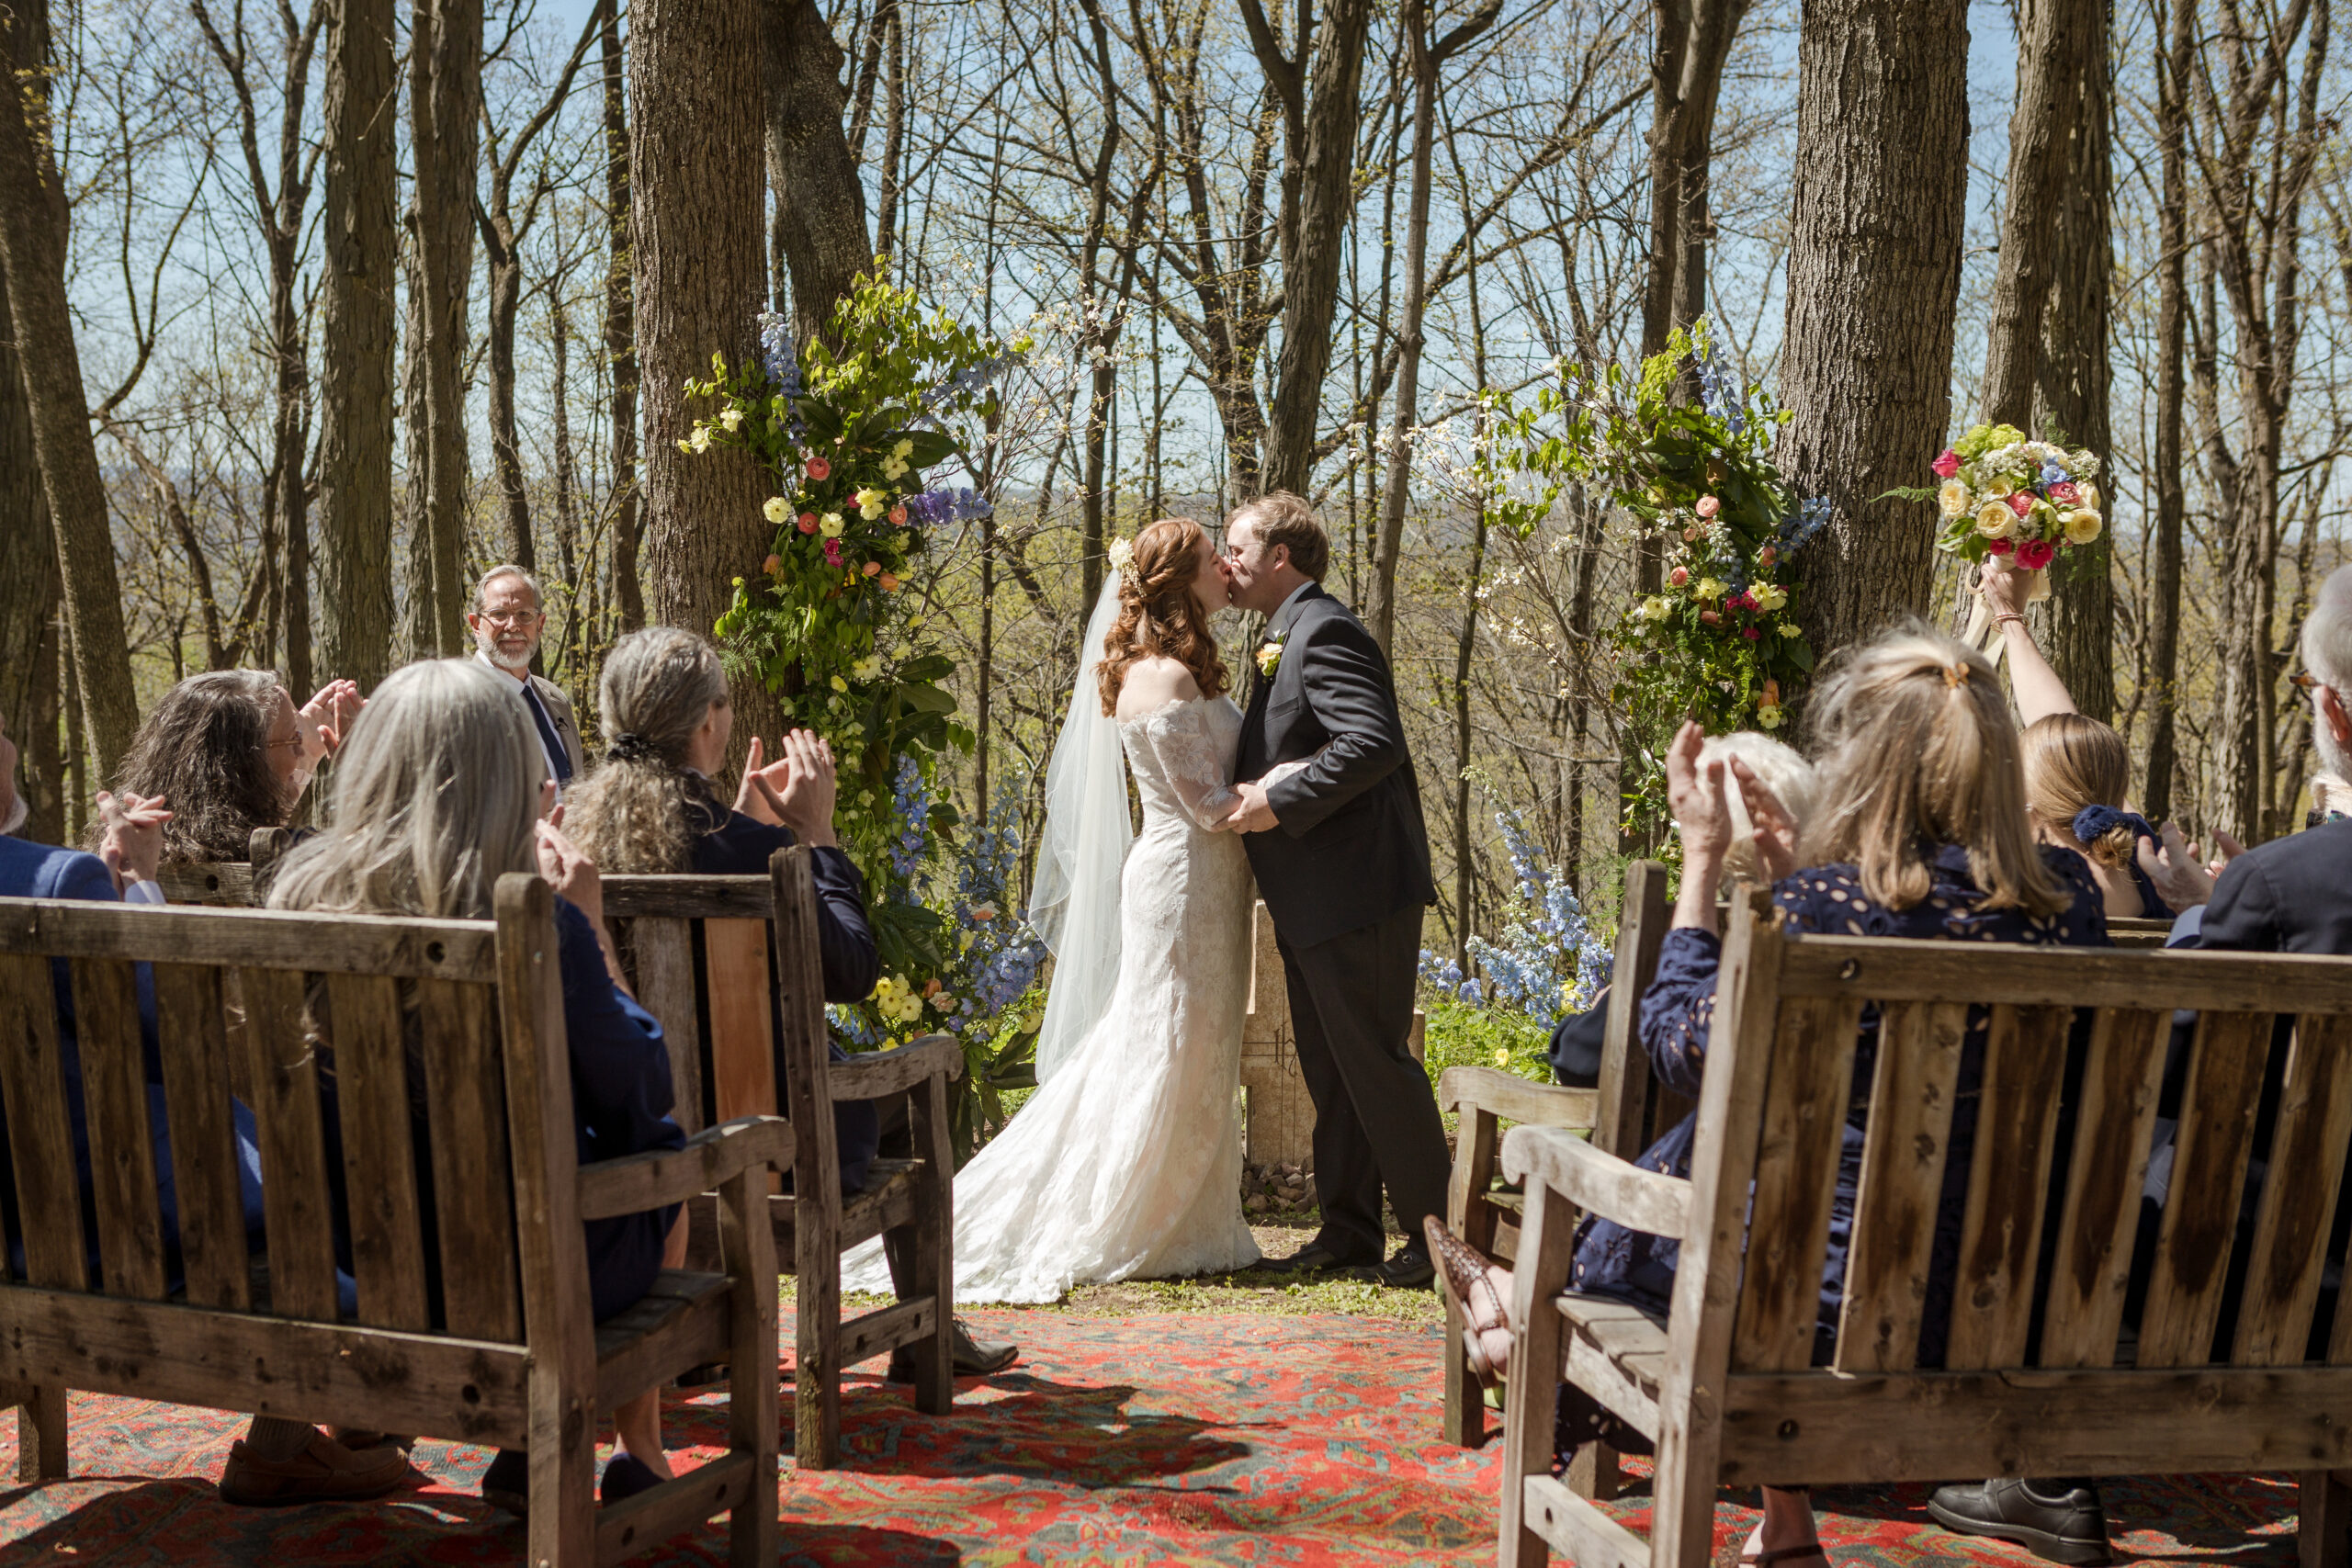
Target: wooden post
x=1279 y=1125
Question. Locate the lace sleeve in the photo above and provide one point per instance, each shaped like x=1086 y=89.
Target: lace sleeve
x=1179 y=738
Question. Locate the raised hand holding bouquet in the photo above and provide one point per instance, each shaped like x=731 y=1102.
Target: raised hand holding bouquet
x=2016 y=503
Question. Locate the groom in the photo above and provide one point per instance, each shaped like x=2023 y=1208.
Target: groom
x=1343 y=863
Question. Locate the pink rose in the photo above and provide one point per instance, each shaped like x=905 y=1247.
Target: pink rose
x=2020 y=502
x=872 y=569
x=1691 y=535
x=818 y=468
x=1747 y=632
x=1947 y=464
x=2000 y=546
x=2034 y=554
x=2065 y=491
x=808 y=522
x=898 y=516
x=1708 y=506
x=1766 y=556
x=832 y=552
x=1679 y=576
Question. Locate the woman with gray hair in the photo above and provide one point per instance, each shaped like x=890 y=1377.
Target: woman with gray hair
x=442 y=790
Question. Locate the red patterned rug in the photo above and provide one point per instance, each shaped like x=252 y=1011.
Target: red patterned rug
x=1170 y=1438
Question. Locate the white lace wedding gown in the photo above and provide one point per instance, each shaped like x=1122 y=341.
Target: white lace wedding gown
x=1127 y=1164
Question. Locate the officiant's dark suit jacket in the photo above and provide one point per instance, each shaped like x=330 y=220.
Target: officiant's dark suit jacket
x=1349 y=849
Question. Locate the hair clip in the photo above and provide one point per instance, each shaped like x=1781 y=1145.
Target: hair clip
x=1956 y=674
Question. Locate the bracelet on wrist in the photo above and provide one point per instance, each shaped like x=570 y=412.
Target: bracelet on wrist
x=2007 y=615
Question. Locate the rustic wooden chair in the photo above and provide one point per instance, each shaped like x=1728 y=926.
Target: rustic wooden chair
x=2038 y=1378
x=2138 y=933
x=232 y=885
x=709 y=952
x=511 y=1356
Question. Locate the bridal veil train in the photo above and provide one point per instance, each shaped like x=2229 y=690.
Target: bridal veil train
x=1127 y=1161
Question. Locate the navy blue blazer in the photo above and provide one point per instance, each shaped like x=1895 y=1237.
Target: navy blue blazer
x=41 y=871
x=728 y=843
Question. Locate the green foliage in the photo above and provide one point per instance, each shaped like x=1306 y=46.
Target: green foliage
x=1461 y=1033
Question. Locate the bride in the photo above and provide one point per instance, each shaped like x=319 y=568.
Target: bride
x=1126 y=1162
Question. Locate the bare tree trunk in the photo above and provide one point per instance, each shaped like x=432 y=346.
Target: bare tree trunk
x=2053 y=58
x=32 y=249
x=356 y=375
x=28 y=694
x=1317 y=90
x=445 y=113
x=819 y=205
x=2075 y=375
x=1873 y=278
x=696 y=165
x=894 y=139
x=620 y=323
x=2172 y=309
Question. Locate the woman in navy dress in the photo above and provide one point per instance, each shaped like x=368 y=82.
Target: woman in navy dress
x=441 y=789
x=651 y=808
x=1935 y=847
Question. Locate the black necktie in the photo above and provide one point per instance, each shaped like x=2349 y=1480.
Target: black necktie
x=558 y=757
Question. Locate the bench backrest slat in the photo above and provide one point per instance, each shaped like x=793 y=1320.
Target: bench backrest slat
x=1622 y=1121
x=2292 y=1227
x=40 y=1132
x=465 y=1076
x=2215 y=1135
x=2090 y=1268
x=664 y=948
x=1903 y=1173
x=192 y=1033
x=743 y=1046
x=2025 y=1062
x=379 y=1150
x=122 y=1152
x=292 y=1139
x=1804 y=1128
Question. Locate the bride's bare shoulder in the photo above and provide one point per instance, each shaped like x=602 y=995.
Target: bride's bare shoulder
x=1154 y=682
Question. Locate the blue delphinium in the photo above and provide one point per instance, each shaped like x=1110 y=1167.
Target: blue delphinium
x=910 y=805
x=1798 y=528
x=1719 y=390
x=937 y=507
x=2051 y=474
x=1001 y=955
x=1443 y=973
x=969 y=383
x=1549 y=962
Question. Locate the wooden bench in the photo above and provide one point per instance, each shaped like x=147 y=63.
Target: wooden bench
x=1724 y=1384
x=507 y=1356
x=1615 y=1114
x=232 y=884
x=709 y=953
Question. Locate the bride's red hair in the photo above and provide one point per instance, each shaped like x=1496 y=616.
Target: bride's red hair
x=1159 y=616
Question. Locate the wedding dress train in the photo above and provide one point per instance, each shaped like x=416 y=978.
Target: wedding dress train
x=1126 y=1163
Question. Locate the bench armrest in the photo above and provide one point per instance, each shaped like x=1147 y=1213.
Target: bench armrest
x=636 y=1183
x=879 y=1073
x=1596 y=1182
x=1516 y=1098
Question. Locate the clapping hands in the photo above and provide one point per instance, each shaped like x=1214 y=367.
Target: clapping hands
x=327 y=719
x=132 y=844
x=796 y=791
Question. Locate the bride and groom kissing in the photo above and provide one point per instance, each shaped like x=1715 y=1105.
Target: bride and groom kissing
x=1126 y=1162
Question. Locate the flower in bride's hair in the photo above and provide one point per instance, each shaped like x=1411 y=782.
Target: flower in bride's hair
x=1122 y=556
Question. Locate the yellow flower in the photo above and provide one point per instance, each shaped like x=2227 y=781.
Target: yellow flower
x=1952 y=499
x=1995 y=521
x=829 y=524
x=904 y=449
x=1707 y=588
x=730 y=418
x=840 y=684
x=1770 y=595
x=893 y=466
x=1771 y=718
x=2083 y=525
x=872 y=503
x=776 y=509
x=700 y=440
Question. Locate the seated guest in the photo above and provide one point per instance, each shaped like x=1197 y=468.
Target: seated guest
x=233 y=753
x=1935 y=849
x=441 y=790
x=651 y=807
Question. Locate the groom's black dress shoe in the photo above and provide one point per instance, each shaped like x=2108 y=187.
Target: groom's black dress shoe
x=1410 y=1269
x=1315 y=1257
x=2061 y=1521
x=974 y=1358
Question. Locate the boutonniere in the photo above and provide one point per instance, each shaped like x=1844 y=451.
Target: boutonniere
x=1269 y=657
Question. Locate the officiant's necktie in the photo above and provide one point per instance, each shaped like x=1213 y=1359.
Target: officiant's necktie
x=559 y=756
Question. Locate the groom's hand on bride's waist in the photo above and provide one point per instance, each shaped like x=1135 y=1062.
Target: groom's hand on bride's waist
x=1253 y=813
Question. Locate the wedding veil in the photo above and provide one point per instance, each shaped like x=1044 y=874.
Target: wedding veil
x=1074 y=894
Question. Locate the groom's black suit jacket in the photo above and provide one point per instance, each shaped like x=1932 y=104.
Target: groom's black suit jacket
x=1350 y=847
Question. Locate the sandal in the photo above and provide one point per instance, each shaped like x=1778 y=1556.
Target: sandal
x=1485 y=1338
x=1782 y=1554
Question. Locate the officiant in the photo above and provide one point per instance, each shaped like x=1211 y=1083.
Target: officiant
x=507 y=619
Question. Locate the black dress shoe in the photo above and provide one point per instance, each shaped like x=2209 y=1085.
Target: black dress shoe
x=1316 y=1257
x=2060 y=1521
x=1410 y=1269
x=974 y=1358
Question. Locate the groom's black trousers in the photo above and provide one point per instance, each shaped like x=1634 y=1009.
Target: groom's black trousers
x=1375 y=1117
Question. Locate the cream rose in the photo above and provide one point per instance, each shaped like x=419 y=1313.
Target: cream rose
x=1951 y=498
x=2083 y=525
x=1995 y=521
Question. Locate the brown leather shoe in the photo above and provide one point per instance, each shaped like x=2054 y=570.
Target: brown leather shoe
x=324 y=1472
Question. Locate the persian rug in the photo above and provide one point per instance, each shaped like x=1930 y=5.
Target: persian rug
x=1175 y=1438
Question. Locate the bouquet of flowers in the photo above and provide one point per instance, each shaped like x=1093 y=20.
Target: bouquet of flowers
x=2015 y=502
